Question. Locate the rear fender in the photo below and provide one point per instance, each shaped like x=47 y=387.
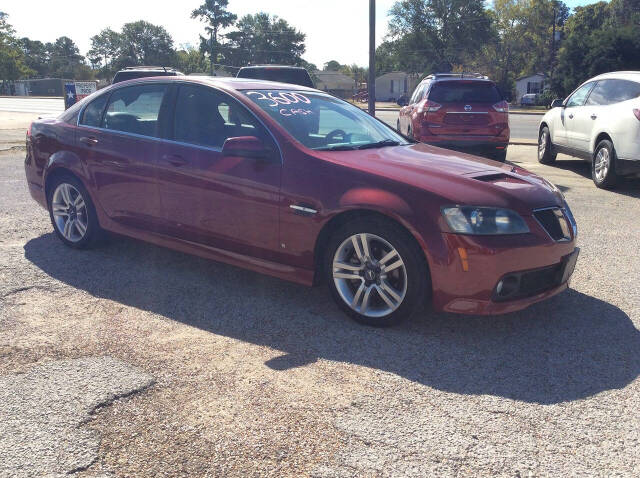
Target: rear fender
x=69 y=161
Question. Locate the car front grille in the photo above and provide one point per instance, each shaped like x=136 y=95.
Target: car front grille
x=554 y=221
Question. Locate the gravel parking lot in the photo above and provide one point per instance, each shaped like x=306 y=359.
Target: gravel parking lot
x=228 y=373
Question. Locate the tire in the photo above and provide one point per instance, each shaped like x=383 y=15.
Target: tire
x=63 y=203
x=500 y=156
x=603 y=166
x=546 y=154
x=381 y=298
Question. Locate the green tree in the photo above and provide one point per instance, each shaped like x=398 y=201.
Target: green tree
x=332 y=65
x=191 y=60
x=262 y=38
x=12 y=61
x=599 y=38
x=65 y=60
x=143 y=43
x=36 y=56
x=217 y=17
x=429 y=35
x=105 y=46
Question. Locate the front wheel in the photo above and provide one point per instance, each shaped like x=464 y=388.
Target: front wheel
x=603 y=166
x=546 y=155
x=376 y=272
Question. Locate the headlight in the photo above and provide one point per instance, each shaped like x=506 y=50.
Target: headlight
x=572 y=219
x=484 y=220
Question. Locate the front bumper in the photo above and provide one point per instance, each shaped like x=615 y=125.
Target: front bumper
x=471 y=288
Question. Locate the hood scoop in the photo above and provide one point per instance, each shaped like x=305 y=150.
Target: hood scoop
x=500 y=179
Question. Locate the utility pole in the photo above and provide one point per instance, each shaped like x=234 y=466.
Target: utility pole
x=211 y=53
x=371 y=84
x=553 y=43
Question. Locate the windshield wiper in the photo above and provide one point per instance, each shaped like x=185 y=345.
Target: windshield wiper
x=380 y=144
x=342 y=147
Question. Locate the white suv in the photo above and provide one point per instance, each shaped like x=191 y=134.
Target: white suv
x=599 y=122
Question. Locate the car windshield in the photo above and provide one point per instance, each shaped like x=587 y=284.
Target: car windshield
x=465 y=92
x=322 y=122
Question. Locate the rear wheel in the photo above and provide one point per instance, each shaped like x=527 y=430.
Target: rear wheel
x=72 y=212
x=603 y=166
x=546 y=155
x=375 y=271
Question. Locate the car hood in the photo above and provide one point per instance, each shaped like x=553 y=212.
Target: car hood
x=457 y=177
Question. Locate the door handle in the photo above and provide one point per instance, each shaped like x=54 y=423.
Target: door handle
x=174 y=159
x=594 y=116
x=89 y=140
x=571 y=116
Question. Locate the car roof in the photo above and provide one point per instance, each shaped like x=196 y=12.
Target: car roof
x=456 y=77
x=262 y=67
x=227 y=83
x=619 y=75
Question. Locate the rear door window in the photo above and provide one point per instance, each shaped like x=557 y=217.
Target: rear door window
x=607 y=92
x=465 y=92
x=135 y=109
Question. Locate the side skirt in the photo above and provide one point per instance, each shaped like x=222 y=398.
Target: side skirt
x=280 y=271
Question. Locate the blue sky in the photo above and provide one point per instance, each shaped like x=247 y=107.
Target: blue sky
x=336 y=29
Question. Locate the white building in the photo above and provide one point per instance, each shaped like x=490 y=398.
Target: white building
x=529 y=84
x=393 y=85
x=335 y=83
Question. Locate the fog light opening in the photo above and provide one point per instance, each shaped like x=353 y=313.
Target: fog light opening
x=508 y=286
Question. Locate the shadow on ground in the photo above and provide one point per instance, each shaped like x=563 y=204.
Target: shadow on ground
x=627 y=186
x=570 y=347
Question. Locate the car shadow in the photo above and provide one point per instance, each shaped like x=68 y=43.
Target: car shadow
x=567 y=348
x=626 y=186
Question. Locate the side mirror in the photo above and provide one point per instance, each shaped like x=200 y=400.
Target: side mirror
x=245 y=147
x=557 y=103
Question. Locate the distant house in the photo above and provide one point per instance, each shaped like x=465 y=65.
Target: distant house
x=335 y=83
x=393 y=85
x=529 y=84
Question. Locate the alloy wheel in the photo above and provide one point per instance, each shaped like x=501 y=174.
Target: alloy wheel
x=602 y=164
x=69 y=212
x=542 y=145
x=370 y=275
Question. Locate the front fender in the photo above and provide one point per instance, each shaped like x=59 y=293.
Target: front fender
x=374 y=198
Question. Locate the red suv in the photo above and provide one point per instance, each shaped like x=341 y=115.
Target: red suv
x=458 y=111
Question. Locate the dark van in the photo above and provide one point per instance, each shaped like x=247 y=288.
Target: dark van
x=134 y=72
x=295 y=75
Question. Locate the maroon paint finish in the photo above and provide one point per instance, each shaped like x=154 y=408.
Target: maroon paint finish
x=236 y=209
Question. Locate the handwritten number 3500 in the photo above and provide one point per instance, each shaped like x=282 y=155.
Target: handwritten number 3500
x=277 y=99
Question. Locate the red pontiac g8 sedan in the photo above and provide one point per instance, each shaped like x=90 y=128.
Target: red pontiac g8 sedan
x=292 y=182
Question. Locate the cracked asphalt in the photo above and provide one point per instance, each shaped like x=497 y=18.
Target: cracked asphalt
x=43 y=409
x=258 y=377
